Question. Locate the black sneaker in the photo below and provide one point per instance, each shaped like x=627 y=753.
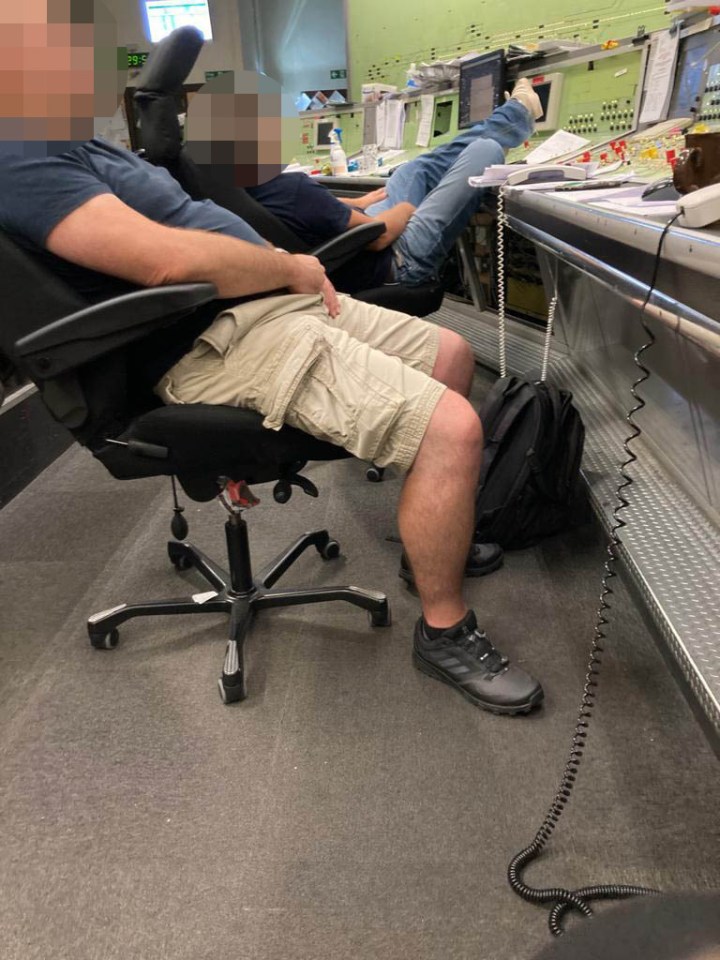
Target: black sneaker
x=465 y=659
x=483 y=558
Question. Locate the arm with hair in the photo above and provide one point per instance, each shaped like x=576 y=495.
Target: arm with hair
x=106 y=235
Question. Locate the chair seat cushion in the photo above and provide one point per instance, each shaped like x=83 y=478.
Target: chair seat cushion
x=206 y=441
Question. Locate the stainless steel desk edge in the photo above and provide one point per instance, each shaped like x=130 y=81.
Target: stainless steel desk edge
x=679 y=317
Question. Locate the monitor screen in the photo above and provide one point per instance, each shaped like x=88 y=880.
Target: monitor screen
x=482 y=84
x=696 y=76
x=164 y=16
x=543 y=92
x=323 y=129
x=548 y=87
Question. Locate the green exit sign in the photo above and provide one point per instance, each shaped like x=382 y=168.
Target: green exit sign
x=136 y=60
x=211 y=74
x=338 y=74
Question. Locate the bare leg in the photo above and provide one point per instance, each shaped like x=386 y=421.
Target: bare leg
x=455 y=363
x=437 y=508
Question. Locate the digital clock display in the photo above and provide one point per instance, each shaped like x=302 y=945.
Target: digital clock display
x=136 y=60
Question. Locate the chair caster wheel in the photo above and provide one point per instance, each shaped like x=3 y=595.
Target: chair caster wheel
x=179 y=559
x=330 y=551
x=375 y=474
x=105 y=641
x=380 y=618
x=232 y=692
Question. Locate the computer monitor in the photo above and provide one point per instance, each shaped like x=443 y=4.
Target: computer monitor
x=164 y=16
x=697 y=78
x=548 y=87
x=442 y=117
x=323 y=129
x=482 y=85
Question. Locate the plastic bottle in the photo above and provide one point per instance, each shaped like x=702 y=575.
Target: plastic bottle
x=338 y=160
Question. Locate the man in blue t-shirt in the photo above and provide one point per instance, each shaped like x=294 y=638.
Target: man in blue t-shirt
x=370 y=379
x=425 y=206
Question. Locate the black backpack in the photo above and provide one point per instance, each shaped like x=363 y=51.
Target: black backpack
x=531 y=466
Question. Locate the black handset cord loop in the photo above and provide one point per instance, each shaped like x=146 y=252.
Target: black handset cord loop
x=564 y=900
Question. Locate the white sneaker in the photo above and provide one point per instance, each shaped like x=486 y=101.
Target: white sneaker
x=524 y=92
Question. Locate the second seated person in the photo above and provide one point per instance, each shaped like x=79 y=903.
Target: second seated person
x=425 y=205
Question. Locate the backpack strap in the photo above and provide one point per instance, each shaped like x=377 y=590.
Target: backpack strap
x=514 y=408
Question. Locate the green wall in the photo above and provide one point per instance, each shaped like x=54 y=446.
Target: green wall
x=385 y=36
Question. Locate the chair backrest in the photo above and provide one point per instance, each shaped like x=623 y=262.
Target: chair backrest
x=160 y=80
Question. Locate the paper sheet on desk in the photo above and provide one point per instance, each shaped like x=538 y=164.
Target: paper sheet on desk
x=557 y=145
x=606 y=193
x=629 y=202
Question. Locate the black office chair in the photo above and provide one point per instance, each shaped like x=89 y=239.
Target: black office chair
x=84 y=360
x=161 y=79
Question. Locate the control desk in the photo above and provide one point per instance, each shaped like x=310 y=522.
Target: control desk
x=593 y=92
x=601 y=264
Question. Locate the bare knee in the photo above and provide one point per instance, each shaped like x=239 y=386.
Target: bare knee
x=455 y=363
x=453 y=441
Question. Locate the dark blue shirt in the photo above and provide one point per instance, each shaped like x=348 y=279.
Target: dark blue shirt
x=316 y=215
x=36 y=194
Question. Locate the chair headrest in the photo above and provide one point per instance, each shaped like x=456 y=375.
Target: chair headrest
x=171 y=61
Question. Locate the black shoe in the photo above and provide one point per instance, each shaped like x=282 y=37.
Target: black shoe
x=483 y=558
x=465 y=659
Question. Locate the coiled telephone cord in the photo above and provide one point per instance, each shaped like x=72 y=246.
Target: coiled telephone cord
x=562 y=899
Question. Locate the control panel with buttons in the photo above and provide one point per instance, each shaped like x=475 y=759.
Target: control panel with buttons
x=598 y=100
x=709 y=110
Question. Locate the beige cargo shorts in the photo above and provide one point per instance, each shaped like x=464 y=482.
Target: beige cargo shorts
x=360 y=380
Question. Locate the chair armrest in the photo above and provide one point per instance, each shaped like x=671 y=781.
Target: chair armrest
x=351 y=186
x=73 y=340
x=334 y=253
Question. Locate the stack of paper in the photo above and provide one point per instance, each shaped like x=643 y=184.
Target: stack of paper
x=660 y=76
x=390 y=124
x=427 y=111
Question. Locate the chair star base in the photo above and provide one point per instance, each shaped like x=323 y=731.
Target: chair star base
x=239 y=594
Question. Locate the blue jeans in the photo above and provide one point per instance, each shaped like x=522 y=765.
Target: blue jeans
x=436 y=183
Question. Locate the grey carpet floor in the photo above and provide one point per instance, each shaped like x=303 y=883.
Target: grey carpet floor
x=351 y=807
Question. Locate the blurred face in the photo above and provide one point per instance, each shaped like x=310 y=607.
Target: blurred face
x=236 y=125
x=59 y=76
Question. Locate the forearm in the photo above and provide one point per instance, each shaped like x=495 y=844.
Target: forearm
x=236 y=267
x=395 y=220
x=366 y=200
x=360 y=203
